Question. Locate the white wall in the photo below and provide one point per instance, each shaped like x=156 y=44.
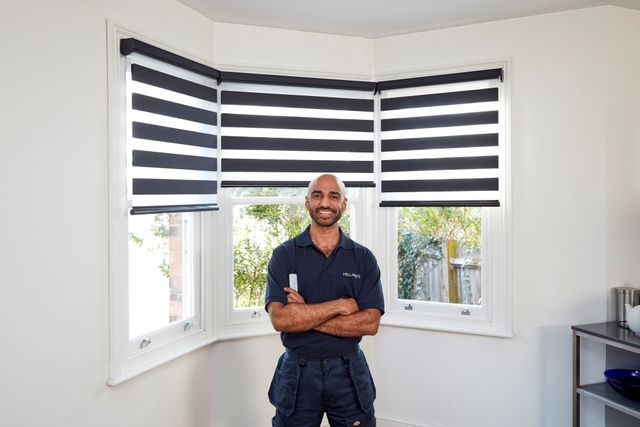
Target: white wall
x=262 y=49
x=570 y=161
x=54 y=314
x=573 y=160
x=54 y=255
x=623 y=152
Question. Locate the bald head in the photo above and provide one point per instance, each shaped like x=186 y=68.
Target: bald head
x=327 y=177
x=326 y=200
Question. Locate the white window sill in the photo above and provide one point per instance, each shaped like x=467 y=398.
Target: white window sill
x=230 y=334
x=441 y=324
x=127 y=375
x=235 y=332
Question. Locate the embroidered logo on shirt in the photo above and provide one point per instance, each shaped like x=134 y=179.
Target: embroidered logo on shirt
x=354 y=275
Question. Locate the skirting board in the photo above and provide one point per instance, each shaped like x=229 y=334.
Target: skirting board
x=384 y=421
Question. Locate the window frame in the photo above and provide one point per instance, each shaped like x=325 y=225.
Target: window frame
x=127 y=358
x=494 y=316
x=252 y=318
x=186 y=326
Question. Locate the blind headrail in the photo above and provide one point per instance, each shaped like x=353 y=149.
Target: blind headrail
x=130 y=45
x=468 y=76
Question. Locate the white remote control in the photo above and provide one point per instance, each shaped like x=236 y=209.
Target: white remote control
x=293 y=281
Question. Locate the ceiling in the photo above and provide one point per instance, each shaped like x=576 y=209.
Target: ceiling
x=380 y=18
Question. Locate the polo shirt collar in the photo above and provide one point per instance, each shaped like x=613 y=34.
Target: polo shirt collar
x=304 y=239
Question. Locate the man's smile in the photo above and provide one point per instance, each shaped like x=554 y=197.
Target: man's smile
x=325 y=213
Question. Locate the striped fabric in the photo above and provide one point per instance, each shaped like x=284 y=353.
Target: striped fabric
x=281 y=136
x=171 y=137
x=441 y=143
x=441 y=137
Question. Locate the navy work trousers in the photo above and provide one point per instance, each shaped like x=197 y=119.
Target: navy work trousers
x=303 y=389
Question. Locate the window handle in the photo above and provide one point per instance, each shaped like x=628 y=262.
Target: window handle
x=145 y=342
x=188 y=325
x=466 y=312
x=408 y=307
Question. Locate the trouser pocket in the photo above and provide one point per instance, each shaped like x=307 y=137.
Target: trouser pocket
x=284 y=386
x=362 y=381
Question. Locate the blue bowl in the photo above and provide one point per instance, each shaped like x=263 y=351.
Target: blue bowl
x=625 y=382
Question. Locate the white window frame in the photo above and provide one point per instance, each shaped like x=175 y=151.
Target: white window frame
x=494 y=316
x=256 y=320
x=193 y=271
x=130 y=357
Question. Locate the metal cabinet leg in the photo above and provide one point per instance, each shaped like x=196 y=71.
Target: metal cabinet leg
x=576 y=379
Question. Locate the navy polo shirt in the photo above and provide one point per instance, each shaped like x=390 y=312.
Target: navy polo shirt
x=351 y=271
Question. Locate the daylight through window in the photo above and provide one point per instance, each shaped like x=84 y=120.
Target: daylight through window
x=439 y=254
x=262 y=219
x=161 y=286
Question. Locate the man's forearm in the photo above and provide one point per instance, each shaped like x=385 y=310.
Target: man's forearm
x=296 y=317
x=363 y=322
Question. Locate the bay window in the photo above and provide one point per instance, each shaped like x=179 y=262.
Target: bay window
x=208 y=172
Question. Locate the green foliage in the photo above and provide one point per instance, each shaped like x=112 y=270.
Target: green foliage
x=258 y=229
x=250 y=265
x=413 y=251
x=138 y=241
x=280 y=221
x=161 y=229
x=450 y=223
x=421 y=235
x=164 y=268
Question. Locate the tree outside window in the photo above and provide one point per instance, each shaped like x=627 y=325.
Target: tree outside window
x=439 y=254
x=258 y=228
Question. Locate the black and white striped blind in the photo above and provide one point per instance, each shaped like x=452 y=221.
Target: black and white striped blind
x=441 y=140
x=283 y=135
x=171 y=137
x=441 y=137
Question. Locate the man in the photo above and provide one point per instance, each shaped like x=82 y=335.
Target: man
x=323 y=294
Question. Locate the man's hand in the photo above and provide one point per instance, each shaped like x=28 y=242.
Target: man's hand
x=293 y=296
x=349 y=306
x=298 y=316
x=363 y=322
x=346 y=306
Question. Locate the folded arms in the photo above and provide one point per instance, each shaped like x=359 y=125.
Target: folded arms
x=340 y=317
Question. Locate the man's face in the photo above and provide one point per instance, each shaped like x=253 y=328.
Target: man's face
x=324 y=202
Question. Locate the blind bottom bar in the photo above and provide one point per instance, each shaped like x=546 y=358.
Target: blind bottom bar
x=442 y=203
x=228 y=184
x=144 y=210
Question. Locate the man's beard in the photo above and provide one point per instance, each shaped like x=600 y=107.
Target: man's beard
x=327 y=222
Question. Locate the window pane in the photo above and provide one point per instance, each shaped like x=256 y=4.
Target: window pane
x=439 y=254
x=257 y=230
x=160 y=271
x=269 y=192
x=352 y=192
